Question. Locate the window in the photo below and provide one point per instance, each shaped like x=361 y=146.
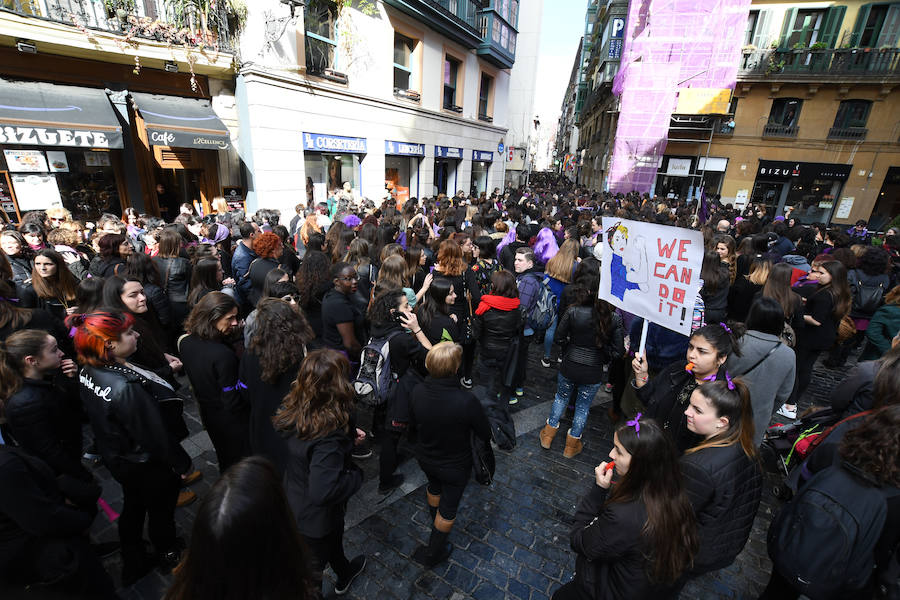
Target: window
x=484 y=97
x=403 y=49
x=514 y=12
x=805 y=29
x=852 y=113
x=751 y=27
x=785 y=112
x=320 y=37
x=451 y=79
x=877 y=26
x=873 y=25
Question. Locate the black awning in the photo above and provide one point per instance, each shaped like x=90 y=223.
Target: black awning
x=181 y=122
x=48 y=114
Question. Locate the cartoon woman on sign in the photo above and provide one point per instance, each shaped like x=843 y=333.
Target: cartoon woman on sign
x=628 y=269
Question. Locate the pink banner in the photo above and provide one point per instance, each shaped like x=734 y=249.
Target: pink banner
x=669 y=45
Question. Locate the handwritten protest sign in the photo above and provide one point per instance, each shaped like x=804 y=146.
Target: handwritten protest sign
x=652 y=271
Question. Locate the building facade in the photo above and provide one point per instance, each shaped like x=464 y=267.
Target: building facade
x=523 y=124
x=114 y=105
x=406 y=97
x=565 y=150
x=812 y=125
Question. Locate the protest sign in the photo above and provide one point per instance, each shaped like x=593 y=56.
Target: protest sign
x=652 y=271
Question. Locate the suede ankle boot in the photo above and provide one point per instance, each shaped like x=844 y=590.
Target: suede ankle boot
x=573 y=446
x=547 y=435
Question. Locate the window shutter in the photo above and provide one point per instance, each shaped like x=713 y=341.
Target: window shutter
x=861 y=17
x=890 y=30
x=790 y=15
x=761 y=33
x=831 y=27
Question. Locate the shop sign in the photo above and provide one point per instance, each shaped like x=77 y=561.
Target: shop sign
x=57 y=161
x=26 y=161
x=52 y=136
x=680 y=167
x=403 y=148
x=773 y=169
x=615 y=49
x=36 y=192
x=844 y=208
x=234 y=197
x=448 y=152
x=318 y=142
x=96 y=159
x=482 y=156
x=185 y=139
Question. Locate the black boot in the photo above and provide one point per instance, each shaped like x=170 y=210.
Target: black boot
x=436 y=552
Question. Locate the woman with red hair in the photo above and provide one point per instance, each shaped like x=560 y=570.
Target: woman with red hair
x=268 y=248
x=451 y=264
x=137 y=425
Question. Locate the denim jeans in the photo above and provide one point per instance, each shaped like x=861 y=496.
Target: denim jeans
x=584 y=394
x=548 y=337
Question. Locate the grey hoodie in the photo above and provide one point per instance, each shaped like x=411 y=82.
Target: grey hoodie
x=796 y=261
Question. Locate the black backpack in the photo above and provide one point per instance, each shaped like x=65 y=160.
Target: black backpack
x=823 y=540
x=867 y=298
x=376 y=382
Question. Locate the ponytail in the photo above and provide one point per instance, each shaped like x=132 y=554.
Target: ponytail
x=28 y=342
x=731 y=399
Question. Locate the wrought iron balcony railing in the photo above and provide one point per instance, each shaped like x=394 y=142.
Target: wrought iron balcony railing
x=775 y=130
x=847 y=133
x=808 y=63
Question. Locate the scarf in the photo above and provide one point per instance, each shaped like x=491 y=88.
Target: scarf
x=489 y=301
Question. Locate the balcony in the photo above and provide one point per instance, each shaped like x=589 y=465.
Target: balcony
x=176 y=23
x=773 y=130
x=806 y=64
x=498 y=45
x=854 y=134
x=457 y=19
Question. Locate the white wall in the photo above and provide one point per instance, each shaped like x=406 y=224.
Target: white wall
x=523 y=75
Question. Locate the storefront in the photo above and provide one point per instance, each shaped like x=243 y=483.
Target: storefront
x=446 y=166
x=183 y=137
x=481 y=164
x=331 y=161
x=61 y=145
x=810 y=189
x=685 y=176
x=887 y=205
x=401 y=169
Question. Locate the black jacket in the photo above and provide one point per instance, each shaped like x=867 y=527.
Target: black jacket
x=159 y=303
x=660 y=396
x=856 y=278
x=44 y=417
x=21 y=268
x=444 y=417
x=495 y=331
x=724 y=487
x=611 y=549
x=32 y=507
x=583 y=358
x=212 y=368
x=256 y=273
x=319 y=478
x=106 y=267
x=128 y=422
x=176 y=277
x=508 y=255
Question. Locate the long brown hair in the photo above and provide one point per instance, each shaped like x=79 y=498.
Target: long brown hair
x=838 y=287
x=201 y=322
x=279 y=338
x=60 y=286
x=734 y=404
x=654 y=477
x=450 y=259
x=778 y=287
x=874 y=446
x=562 y=266
x=321 y=398
x=28 y=342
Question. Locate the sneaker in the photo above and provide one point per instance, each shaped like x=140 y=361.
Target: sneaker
x=168 y=561
x=559 y=360
x=608 y=388
x=361 y=452
x=545 y=362
x=356 y=567
x=186 y=497
x=191 y=478
x=465 y=382
x=787 y=413
x=520 y=392
x=513 y=400
x=395 y=482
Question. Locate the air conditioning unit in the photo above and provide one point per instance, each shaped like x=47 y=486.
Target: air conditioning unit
x=336 y=76
x=408 y=94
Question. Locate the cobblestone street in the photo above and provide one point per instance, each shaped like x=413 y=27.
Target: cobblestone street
x=510 y=539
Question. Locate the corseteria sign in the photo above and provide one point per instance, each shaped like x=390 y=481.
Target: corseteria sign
x=652 y=271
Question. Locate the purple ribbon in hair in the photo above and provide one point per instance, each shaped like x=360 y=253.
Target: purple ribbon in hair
x=730 y=382
x=725 y=327
x=636 y=423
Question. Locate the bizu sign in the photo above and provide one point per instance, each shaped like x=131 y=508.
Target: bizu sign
x=50 y=136
x=318 y=142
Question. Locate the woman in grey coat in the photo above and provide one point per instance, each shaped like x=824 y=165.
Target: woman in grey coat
x=766 y=363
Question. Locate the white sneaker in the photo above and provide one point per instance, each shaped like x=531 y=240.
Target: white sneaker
x=787 y=413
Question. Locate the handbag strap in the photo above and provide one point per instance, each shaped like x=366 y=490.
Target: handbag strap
x=767 y=354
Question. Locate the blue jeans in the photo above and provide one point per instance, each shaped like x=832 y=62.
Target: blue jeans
x=548 y=337
x=584 y=394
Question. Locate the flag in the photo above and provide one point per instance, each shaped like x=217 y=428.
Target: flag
x=703 y=210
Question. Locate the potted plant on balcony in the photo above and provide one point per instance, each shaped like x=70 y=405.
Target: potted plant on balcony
x=117 y=12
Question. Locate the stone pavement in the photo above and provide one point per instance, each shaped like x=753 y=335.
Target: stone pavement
x=511 y=540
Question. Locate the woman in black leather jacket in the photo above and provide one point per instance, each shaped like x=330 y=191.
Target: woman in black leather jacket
x=137 y=427
x=591 y=334
x=497 y=322
x=320 y=476
x=175 y=274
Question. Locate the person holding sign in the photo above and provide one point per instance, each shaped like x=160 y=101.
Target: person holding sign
x=666 y=396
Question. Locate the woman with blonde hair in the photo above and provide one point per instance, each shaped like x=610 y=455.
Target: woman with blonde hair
x=320 y=476
x=394 y=274
x=745 y=287
x=560 y=269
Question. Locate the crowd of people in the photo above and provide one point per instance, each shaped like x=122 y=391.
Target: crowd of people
x=311 y=343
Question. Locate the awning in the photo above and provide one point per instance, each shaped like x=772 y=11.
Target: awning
x=47 y=114
x=181 y=122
